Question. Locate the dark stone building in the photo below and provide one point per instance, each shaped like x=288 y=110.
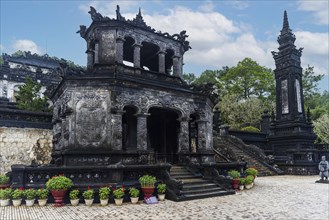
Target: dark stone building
x=291 y=135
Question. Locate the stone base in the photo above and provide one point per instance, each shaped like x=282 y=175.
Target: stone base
x=322 y=181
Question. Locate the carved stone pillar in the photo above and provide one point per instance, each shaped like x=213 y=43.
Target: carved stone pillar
x=202 y=141
x=162 y=64
x=96 y=52
x=119 y=49
x=90 y=59
x=137 y=55
x=142 y=131
x=176 y=66
x=183 y=136
x=117 y=129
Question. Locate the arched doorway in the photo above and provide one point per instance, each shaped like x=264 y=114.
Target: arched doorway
x=163 y=129
x=129 y=129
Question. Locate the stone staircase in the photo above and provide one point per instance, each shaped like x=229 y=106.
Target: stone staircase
x=236 y=150
x=194 y=186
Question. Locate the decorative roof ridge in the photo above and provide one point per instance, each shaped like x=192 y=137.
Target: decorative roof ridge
x=138 y=21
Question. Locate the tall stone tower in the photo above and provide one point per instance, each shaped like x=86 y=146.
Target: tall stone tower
x=291 y=134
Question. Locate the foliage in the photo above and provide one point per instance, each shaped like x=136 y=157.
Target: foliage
x=250 y=128
x=30 y=194
x=119 y=193
x=104 y=192
x=310 y=84
x=321 y=129
x=1 y=60
x=133 y=192
x=237 y=113
x=147 y=181
x=59 y=183
x=88 y=194
x=234 y=174
x=248 y=79
x=242 y=181
x=5 y=193
x=161 y=188
x=74 y=194
x=4 y=179
x=28 y=97
x=17 y=194
x=319 y=105
x=42 y=193
x=251 y=171
x=249 y=179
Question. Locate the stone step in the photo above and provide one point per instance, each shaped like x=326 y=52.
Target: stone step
x=182 y=176
x=195 y=181
x=199 y=186
x=201 y=190
x=179 y=172
x=205 y=195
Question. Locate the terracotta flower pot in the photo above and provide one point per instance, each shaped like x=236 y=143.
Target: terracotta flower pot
x=235 y=183
x=59 y=197
x=148 y=192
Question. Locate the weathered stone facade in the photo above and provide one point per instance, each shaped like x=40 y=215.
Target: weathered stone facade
x=24 y=146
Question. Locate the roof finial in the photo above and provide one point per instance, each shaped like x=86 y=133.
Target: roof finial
x=285 y=27
x=139 y=12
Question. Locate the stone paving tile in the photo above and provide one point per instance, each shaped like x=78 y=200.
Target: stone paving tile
x=279 y=197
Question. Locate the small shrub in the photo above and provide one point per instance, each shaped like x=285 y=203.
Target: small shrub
x=162 y=188
x=88 y=194
x=234 y=174
x=249 y=180
x=74 y=194
x=119 y=193
x=251 y=171
x=17 y=194
x=133 y=192
x=5 y=193
x=30 y=194
x=4 y=179
x=147 y=181
x=59 y=183
x=104 y=192
x=42 y=193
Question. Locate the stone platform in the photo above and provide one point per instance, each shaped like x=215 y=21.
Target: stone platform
x=275 y=197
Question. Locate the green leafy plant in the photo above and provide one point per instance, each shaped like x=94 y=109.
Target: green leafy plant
x=161 y=188
x=249 y=179
x=104 y=192
x=5 y=193
x=17 y=194
x=59 y=183
x=133 y=192
x=42 y=193
x=88 y=194
x=119 y=193
x=147 y=181
x=242 y=181
x=74 y=194
x=251 y=171
x=4 y=179
x=234 y=174
x=250 y=128
x=30 y=194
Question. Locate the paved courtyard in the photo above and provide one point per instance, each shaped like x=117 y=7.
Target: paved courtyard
x=279 y=197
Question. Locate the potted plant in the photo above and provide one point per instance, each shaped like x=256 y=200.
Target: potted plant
x=29 y=195
x=104 y=194
x=5 y=196
x=242 y=182
x=58 y=186
x=147 y=184
x=42 y=195
x=235 y=176
x=134 y=195
x=161 y=191
x=118 y=195
x=16 y=196
x=74 y=197
x=88 y=195
x=4 y=181
x=251 y=171
x=248 y=181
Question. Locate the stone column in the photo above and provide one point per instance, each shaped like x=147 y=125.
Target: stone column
x=137 y=55
x=142 y=131
x=119 y=49
x=117 y=129
x=96 y=53
x=162 y=63
x=90 y=59
x=176 y=65
x=202 y=142
x=183 y=136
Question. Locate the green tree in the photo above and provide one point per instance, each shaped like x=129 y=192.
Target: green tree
x=321 y=128
x=310 y=86
x=29 y=98
x=248 y=79
x=189 y=78
x=1 y=60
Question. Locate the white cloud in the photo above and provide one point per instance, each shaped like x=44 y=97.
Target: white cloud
x=320 y=8
x=240 y=5
x=26 y=45
x=2 y=49
x=208 y=6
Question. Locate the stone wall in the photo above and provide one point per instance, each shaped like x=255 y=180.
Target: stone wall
x=24 y=146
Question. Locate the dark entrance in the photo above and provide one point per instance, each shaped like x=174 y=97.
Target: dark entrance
x=163 y=129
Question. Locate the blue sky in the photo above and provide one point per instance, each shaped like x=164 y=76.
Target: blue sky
x=221 y=33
